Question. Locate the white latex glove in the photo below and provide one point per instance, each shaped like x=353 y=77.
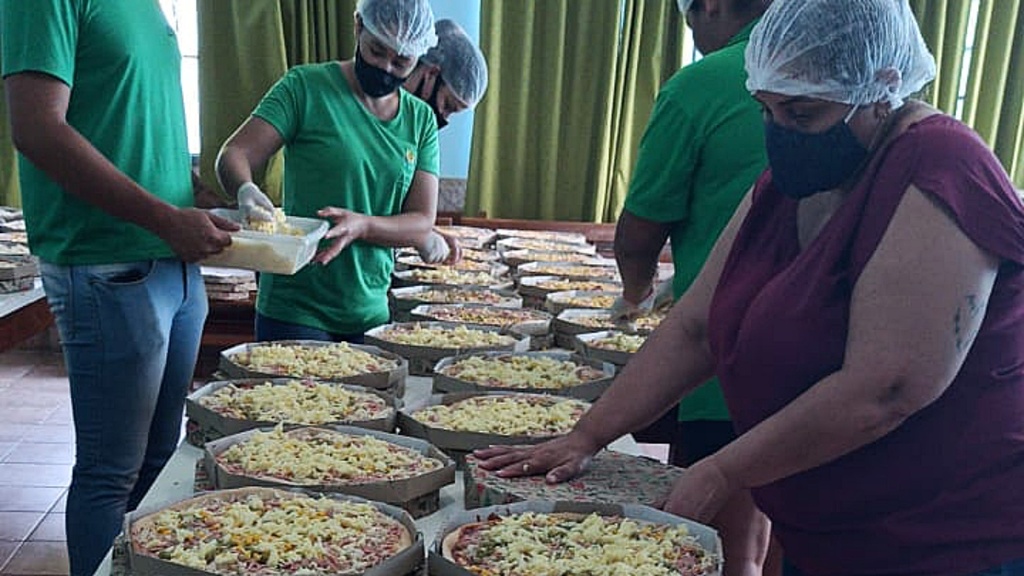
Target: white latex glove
x=435 y=250
x=623 y=311
x=664 y=295
x=253 y=204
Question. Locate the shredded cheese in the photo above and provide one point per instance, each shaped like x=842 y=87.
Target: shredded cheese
x=533 y=372
x=296 y=402
x=337 y=360
x=507 y=415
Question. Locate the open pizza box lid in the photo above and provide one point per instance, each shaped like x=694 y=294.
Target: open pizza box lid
x=552 y=235
x=538 y=324
x=393 y=491
x=226 y=426
x=423 y=358
x=438 y=565
x=556 y=302
x=511 y=244
x=464 y=441
x=585 y=344
x=588 y=391
x=532 y=285
x=404 y=562
x=274 y=253
x=406 y=278
x=405 y=299
x=232 y=364
x=569 y=270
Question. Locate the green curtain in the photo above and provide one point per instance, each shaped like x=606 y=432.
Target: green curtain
x=247 y=45
x=944 y=27
x=10 y=194
x=571 y=89
x=994 y=105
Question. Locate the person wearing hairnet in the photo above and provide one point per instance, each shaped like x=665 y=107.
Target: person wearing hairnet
x=359 y=152
x=701 y=151
x=863 y=311
x=451 y=77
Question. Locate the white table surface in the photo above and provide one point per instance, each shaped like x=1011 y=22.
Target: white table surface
x=14 y=301
x=177 y=479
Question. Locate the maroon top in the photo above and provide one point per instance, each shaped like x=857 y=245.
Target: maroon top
x=942 y=494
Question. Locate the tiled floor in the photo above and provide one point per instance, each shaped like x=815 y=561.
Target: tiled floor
x=36 y=452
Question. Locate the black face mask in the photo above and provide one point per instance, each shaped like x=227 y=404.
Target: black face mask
x=374 y=81
x=441 y=121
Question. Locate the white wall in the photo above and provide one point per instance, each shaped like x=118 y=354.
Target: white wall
x=455 y=139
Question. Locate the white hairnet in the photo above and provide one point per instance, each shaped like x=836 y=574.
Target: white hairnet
x=405 y=26
x=854 y=51
x=462 y=64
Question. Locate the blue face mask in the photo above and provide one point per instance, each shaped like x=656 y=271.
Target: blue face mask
x=803 y=164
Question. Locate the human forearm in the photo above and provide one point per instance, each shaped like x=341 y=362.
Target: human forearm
x=233 y=169
x=407 y=229
x=673 y=361
x=638 y=244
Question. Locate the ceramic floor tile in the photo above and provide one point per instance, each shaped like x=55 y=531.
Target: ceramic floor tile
x=29 y=498
x=40 y=453
x=28 y=414
x=6 y=551
x=61 y=504
x=57 y=433
x=16 y=526
x=18 y=397
x=38 y=559
x=61 y=416
x=52 y=475
x=12 y=432
x=6 y=448
x=50 y=529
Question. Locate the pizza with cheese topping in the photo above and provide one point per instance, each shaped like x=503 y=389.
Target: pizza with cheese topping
x=479 y=255
x=545 y=245
x=454 y=277
x=567 y=284
x=549 y=235
x=455 y=295
x=315 y=456
x=521 y=371
x=465 y=264
x=619 y=341
x=326 y=361
x=570 y=543
x=601 y=319
x=457 y=337
x=506 y=415
x=588 y=272
x=296 y=402
x=576 y=300
x=486 y=315
x=267 y=532
x=544 y=256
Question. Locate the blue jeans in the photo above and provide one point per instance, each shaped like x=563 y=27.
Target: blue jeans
x=130 y=334
x=1014 y=568
x=268 y=328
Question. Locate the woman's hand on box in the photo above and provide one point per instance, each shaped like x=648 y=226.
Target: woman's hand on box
x=559 y=460
x=348 y=227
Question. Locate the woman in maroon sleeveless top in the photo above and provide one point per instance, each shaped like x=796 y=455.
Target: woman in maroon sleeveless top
x=864 y=312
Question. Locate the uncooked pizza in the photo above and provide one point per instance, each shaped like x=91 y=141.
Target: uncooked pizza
x=296 y=402
x=589 y=272
x=479 y=255
x=544 y=245
x=465 y=265
x=619 y=341
x=601 y=319
x=460 y=337
x=485 y=315
x=454 y=277
x=569 y=543
x=338 y=360
x=316 y=456
x=550 y=235
x=522 y=371
x=268 y=532
x=566 y=284
x=506 y=415
x=583 y=300
x=455 y=295
x=542 y=256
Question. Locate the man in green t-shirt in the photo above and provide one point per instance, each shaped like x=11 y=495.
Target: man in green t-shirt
x=702 y=150
x=97 y=116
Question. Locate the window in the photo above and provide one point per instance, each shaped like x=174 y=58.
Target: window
x=965 y=64
x=182 y=16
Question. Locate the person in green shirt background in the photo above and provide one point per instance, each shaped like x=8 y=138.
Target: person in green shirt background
x=703 y=148
x=358 y=152
x=96 y=113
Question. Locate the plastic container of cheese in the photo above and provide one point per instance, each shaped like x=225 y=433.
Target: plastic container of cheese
x=273 y=253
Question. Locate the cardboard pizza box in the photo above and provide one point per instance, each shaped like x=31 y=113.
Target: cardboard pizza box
x=414 y=262
x=556 y=302
x=405 y=278
x=516 y=258
x=438 y=565
x=458 y=443
x=569 y=323
x=589 y=391
x=512 y=244
x=470 y=236
x=273 y=253
x=397 y=492
x=536 y=323
x=610 y=478
x=585 y=344
x=392 y=379
x=552 y=235
x=403 y=300
x=218 y=425
x=569 y=270
x=423 y=358
x=406 y=561
x=535 y=285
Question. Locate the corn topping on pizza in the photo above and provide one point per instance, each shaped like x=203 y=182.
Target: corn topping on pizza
x=315 y=456
x=568 y=543
x=485 y=315
x=296 y=402
x=336 y=360
x=506 y=415
x=521 y=371
x=456 y=277
x=566 y=284
x=441 y=337
x=270 y=532
x=619 y=341
x=459 y=296
x=277 y=223
x=465 y=265
x=584 y=301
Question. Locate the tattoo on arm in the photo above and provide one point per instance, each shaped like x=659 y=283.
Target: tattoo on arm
x=965 y=326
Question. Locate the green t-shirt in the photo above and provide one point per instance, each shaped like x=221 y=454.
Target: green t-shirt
x=339 y=154
x=702 y=150
x=121 y=62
